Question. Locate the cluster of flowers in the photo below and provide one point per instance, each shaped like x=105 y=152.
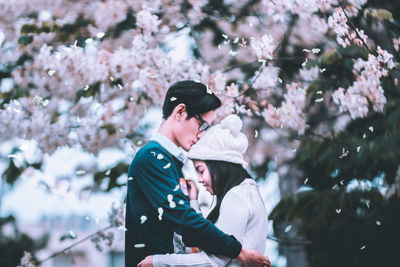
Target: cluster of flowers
x=291 y=112
x=110 y=80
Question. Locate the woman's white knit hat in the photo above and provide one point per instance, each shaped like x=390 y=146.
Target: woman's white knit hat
x=223 y=141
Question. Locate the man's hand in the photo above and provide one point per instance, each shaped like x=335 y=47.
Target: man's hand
x=147 y=262
x=253 y=258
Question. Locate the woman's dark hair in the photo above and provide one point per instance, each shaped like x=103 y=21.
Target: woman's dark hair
x=194 y=95
x=224 y=176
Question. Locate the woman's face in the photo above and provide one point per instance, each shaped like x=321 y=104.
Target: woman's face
x=204 y=175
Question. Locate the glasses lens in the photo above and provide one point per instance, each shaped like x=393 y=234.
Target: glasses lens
x=203 y=127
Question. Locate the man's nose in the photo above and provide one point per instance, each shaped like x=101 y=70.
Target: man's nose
x=199 y=135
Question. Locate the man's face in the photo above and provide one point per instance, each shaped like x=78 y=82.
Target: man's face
x=187 y=132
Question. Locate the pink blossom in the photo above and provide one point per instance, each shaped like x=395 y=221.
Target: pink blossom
x=264 y=47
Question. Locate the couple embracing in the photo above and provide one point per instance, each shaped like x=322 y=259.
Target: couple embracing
x=162 y=205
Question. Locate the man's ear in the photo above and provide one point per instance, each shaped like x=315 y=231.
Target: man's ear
x=180 y=111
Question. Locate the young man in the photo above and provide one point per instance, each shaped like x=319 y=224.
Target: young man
x=156 y=206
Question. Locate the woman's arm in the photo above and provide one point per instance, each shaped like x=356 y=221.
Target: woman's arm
x=183 y=260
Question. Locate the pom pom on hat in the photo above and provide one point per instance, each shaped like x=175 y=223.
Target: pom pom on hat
x=232 y=123
x=224 y=142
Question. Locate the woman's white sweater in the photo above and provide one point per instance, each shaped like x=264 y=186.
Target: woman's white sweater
x=242 y=214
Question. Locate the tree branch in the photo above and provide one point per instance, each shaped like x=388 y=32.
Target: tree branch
x=73 y=245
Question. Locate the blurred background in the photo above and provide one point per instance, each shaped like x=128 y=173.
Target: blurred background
x=315 y=82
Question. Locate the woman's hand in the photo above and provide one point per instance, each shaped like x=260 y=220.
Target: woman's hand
x=147 y=262
x=192 y=189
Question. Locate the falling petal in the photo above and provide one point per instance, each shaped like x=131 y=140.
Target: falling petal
x=108 y=172
x=88 y=40
x=71 y=233
x=172 y=204
x=173 y=98
x=176 y=187
x=12 y=156
x=87 y=218
x=80 y=172
x=51 y=72
x=121 y=130
x=131 y=98
x=86 y=88
x=319 y=92
x=319 y=99
x=181 y=202
x=315 y=50
x=306 y=180
x=139 y=245
x=143 y=219
x=363 y=247
x=45 y=103
x=288 y=228
x=100 y=35
x=170 y=197
x=160 y=213
x=160 y=156
x=378 y=223
x=338 y=211
x=236 y=40
x=167 y=166
x=255 y=134
x=120 y=86
x=154 y=153
x=358 y=149
x=371 y=128
x=130 y=178
x=122 y=228
x=322 y=70
x=304 y=63
x=279 y=80
x=306 y=50
x=225 y=36
x=364 y=135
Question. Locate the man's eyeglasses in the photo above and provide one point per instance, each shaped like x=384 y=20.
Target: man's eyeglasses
x=204 y=125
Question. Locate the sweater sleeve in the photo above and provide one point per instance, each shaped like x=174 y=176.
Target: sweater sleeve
x=158 y=180
x=234 y=205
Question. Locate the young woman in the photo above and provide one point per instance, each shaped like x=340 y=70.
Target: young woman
x=239 y=210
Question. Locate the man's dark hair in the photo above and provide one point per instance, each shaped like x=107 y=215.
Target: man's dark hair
x=224 y=176
x=194 y=95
